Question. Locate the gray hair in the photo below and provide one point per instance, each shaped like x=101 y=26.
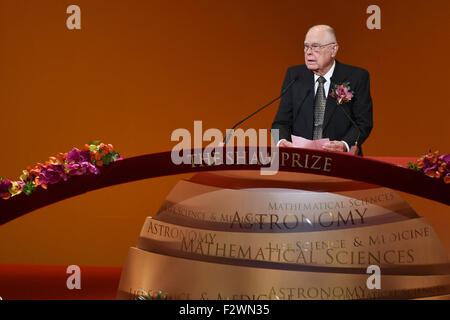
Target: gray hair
x=326 y=28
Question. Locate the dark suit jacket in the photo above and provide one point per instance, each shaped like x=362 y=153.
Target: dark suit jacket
x=296 y=110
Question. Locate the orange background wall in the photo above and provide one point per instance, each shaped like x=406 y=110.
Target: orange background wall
x=137 y=70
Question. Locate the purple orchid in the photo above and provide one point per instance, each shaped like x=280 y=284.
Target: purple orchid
x=76 y=155
x=52 y=174
x=4 y=186
x=426 y=163
x=92 y=169
x=433 y=168
x=445 y=158
x=78 y=169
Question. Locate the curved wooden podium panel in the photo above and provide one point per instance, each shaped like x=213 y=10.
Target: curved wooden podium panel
x=339 y=165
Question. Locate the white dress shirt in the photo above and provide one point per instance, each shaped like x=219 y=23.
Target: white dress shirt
x=327 y=77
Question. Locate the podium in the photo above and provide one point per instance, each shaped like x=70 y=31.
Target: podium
x=240 y=235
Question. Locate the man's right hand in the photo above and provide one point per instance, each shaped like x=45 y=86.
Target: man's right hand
x=286 y=144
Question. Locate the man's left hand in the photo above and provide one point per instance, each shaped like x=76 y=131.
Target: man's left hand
x=335 y=146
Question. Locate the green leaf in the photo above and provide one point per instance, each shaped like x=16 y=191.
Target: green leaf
x=106 y=159
x=94 y=142
x=144 y=295
x=28 y=188
x=412 y=166
x=114 y=156
x=110 y=157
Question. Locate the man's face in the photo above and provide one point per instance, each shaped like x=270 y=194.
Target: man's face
x=319 y=61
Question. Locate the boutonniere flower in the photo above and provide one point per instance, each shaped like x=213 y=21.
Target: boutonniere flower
x=342 y=92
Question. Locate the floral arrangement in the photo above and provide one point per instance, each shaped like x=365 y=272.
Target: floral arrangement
x=60 y=168
x=144 y=295
x=342 y=93
x=433 y=165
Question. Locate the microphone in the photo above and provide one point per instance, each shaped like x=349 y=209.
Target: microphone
x=283 y=92
x=354 y=149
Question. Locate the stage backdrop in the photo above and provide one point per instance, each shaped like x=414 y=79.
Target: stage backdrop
x=137 y=70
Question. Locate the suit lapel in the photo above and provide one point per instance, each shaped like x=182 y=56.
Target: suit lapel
x=308 y=103
x=336 y=78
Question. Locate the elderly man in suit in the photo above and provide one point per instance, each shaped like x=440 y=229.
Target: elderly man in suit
x=310 y=111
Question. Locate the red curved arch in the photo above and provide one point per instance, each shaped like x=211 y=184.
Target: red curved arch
x=160 y=164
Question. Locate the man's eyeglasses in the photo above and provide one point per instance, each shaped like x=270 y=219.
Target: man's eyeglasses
x=315 y=47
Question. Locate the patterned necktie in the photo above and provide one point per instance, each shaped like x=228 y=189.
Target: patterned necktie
x=319 y=109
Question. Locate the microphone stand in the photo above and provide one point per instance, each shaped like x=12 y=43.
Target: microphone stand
x=230 y=132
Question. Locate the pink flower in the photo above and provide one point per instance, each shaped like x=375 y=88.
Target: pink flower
x=76 y=155
x=82 y=168
x=342 y=93
x=52 y=174
x=348 y=96
x=445 y=158
x=4 y=186
x=76 y=169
